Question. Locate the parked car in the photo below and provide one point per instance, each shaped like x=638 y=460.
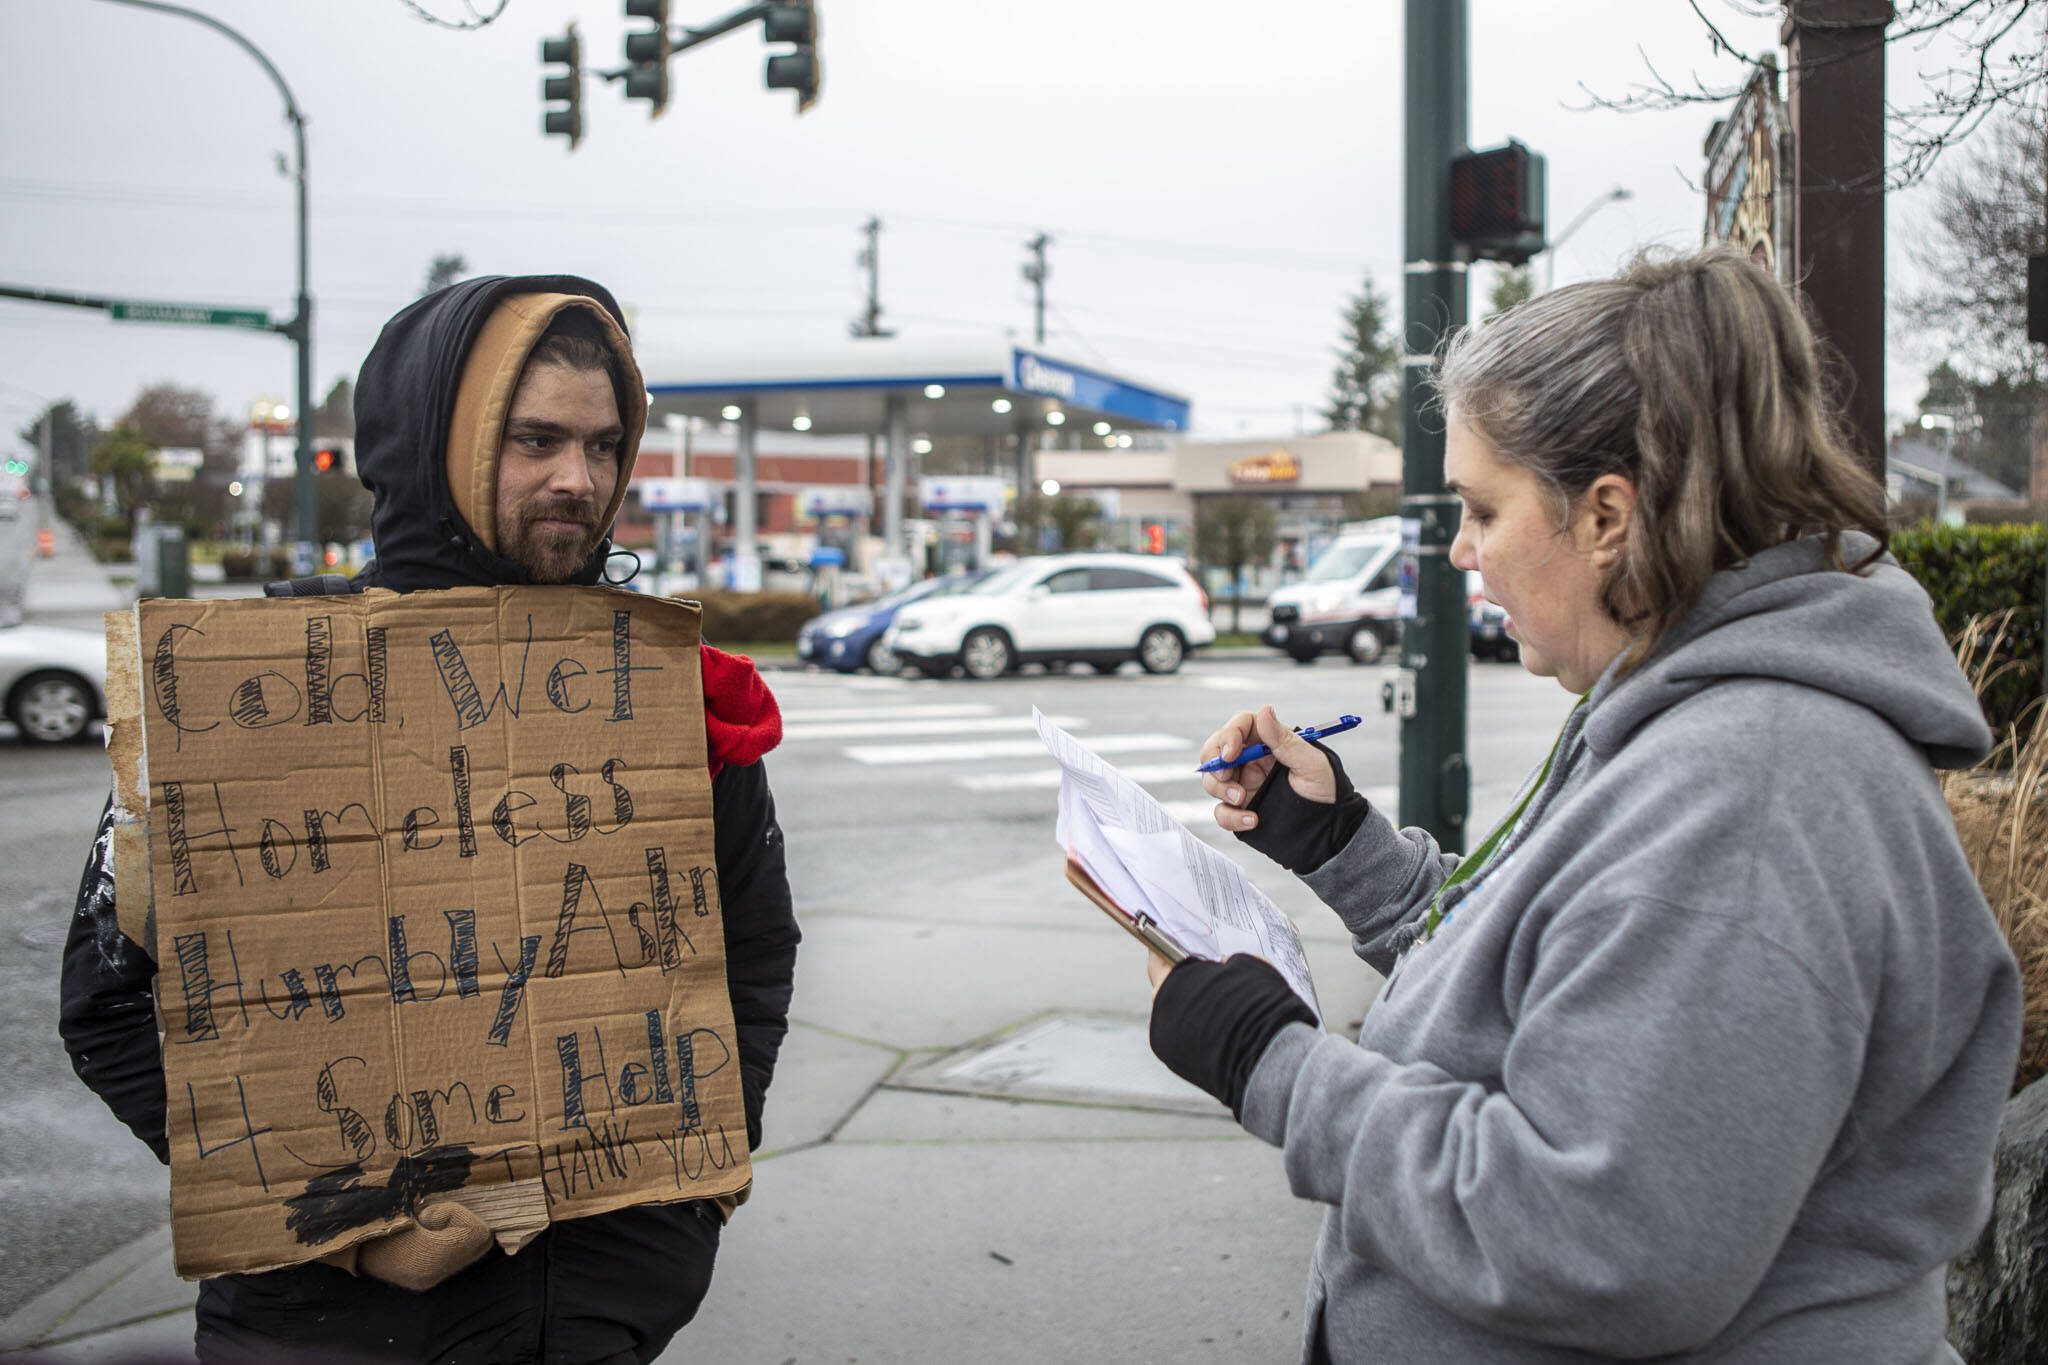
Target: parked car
x=851 y=638
x=1349 y=601
x=53 y=683
x=1488 y=625
x=16 y=497
x=1100 y=609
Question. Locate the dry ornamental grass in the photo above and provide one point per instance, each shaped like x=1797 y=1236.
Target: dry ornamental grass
x=2001 y=814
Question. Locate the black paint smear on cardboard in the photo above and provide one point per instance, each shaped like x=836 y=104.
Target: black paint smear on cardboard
x=336 y=1201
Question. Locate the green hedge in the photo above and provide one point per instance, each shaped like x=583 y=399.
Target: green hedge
x=238 y=563
x=1979 y=571
x=754 y=617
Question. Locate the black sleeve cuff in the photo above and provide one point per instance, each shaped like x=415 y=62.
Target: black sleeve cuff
x=1212 y=1022
x=1299 y=834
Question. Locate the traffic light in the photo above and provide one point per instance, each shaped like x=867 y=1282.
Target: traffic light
x=325 y=458
x=565 y=90
x=1155 y=538
x=799 y=69
x=1497 y=199
x=647 y=53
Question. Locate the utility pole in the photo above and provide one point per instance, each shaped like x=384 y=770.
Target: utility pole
x=1035 y=272
x=1430 y=693
x=1836 y=99
x=869 y=324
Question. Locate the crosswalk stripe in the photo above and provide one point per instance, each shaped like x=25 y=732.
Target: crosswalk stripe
x=882 y=729
x=1191 y=812
x=886 y=711
x=970 y=751
x=1047 y=778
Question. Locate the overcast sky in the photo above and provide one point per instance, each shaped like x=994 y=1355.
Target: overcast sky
x=1216 y=176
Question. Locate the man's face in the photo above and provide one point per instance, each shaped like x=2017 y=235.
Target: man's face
x=558 y=463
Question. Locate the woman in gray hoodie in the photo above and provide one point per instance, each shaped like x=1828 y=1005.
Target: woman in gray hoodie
x=1702 y=1055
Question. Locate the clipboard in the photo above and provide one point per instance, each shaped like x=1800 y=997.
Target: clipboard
x=1141 y=927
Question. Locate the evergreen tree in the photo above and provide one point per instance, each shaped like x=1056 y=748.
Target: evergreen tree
x=443 y=271
x=1511 y=285
x=1365 y=390
x=1231 y=534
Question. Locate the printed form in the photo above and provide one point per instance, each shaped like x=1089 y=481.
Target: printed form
x=1151 y=865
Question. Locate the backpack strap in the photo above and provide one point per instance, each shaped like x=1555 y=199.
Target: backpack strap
x=313 y=585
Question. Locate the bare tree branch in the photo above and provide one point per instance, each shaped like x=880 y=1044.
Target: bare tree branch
x=475 y=20
x=2006 y=68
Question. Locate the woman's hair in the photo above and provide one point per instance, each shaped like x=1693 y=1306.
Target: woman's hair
x=1697 y=378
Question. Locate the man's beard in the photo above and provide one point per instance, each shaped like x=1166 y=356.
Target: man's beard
x=547 y=553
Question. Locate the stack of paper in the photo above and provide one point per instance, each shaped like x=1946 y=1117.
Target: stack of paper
x=1158 y=875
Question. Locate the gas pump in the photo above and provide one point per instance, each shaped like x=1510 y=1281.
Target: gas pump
x=967 y=507
x=680 y=508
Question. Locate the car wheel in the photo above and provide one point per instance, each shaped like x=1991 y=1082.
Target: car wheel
x=986 y=653
x=1365 y=646
x=51 y=708
x=1160 y=650
x=882 y=660
x=1107 y=666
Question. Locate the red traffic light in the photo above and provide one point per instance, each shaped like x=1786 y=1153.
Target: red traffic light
x=324 y=459
x=1155 y=538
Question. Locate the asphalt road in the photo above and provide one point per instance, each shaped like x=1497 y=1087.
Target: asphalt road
x=881 y=783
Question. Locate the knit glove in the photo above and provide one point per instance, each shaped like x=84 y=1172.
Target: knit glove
x=443 y=1239
x=1212 y=1021
x=1297 y=833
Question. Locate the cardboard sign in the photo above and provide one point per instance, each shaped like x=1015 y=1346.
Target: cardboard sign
x=436 y=913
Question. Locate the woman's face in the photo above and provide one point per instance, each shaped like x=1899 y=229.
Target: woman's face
x=1546 y=576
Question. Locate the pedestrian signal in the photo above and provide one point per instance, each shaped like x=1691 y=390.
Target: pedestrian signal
x=1497 y=199
x=1155 y=539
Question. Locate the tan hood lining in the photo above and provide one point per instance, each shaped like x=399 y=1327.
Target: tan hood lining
x=483 y=400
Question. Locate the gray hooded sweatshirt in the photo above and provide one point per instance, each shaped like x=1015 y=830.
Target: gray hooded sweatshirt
x=1708 y=1063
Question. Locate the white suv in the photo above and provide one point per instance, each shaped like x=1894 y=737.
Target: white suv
x=1099 y=609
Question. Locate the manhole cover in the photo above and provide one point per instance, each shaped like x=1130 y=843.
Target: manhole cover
x=49 y=917
x=1081 y=1059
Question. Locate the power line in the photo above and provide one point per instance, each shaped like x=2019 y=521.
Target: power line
x=821 y=219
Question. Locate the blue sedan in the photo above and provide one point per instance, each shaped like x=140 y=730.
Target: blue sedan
x=850 y=638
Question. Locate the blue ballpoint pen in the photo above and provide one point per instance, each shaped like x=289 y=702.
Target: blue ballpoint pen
x=1259 y=751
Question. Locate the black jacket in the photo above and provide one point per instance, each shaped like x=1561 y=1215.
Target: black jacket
x=610 y=1287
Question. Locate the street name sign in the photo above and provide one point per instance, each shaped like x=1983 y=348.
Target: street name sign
x=190 y=314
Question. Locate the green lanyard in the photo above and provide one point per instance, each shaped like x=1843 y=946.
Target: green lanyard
x=1476 y=861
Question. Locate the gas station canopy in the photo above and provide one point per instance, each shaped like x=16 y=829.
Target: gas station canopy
x=949 y=388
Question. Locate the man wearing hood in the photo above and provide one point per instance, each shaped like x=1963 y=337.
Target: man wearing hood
x=497 y=422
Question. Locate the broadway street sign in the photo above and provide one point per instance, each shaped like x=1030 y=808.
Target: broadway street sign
x=190 y=314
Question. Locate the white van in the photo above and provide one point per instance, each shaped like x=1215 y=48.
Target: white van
x=1349 y=601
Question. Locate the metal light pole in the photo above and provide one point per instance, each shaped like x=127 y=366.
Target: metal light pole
x=1431 y=691
x=300 y=328
x=1613 y=196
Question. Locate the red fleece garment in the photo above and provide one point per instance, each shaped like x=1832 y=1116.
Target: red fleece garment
x=740 y=715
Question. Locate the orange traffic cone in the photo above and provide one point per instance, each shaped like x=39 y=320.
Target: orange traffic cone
x=46 y=542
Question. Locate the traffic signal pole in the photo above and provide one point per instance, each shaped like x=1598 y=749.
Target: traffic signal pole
x=300 y=328
x=1430 y=693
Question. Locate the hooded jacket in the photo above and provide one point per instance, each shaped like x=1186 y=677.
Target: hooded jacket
x=1709 y=1061
x=430 y=404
